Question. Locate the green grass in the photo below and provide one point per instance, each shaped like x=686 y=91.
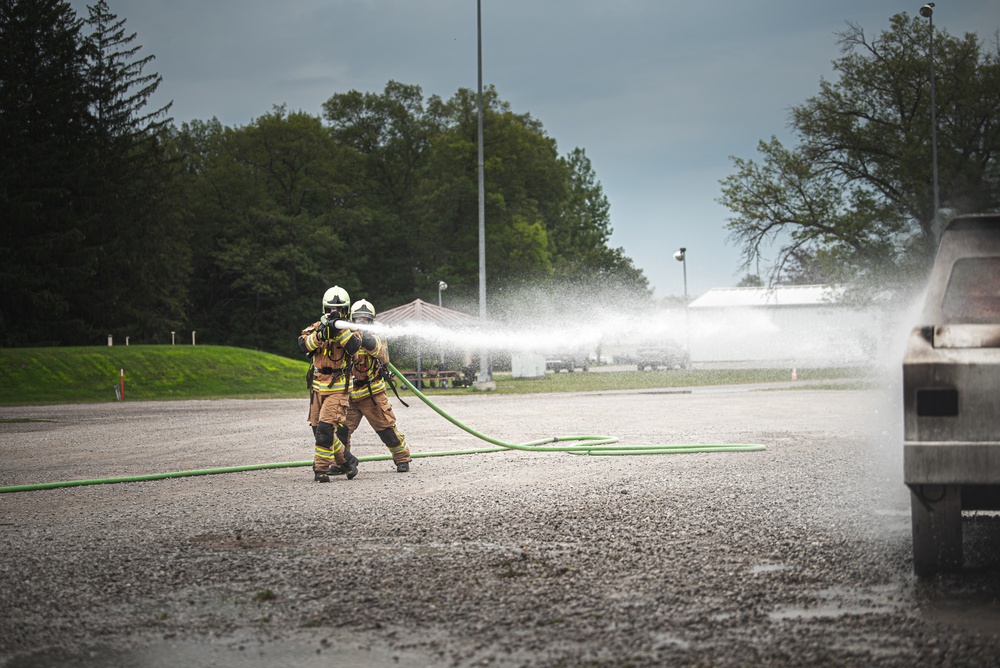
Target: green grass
x=641 y=380
x=90 y=374
x=35 y=376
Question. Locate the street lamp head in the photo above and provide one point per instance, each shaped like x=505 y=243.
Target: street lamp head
x=927 y=10
x=679 y=255
x=442 y=285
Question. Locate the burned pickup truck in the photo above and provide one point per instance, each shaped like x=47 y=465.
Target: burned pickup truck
x=951 y=393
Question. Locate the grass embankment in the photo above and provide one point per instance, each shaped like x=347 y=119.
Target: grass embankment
x=31 y=376
x=90 y=374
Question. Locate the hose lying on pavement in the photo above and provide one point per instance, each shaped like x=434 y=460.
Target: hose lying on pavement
x=585 y=445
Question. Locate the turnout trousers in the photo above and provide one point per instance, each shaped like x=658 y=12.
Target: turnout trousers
x=378 y=411
x=327 y=415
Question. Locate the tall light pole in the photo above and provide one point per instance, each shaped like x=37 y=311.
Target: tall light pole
x=681 y=256
x=927 y=11
x=485 y=373
x=441 y=286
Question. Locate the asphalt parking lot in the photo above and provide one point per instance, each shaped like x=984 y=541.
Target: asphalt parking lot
x=796 y=554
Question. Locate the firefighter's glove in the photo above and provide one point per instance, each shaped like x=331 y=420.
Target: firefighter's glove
x=368 y=341
x=329 y=331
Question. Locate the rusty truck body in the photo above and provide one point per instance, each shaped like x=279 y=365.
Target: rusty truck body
x=951 y=393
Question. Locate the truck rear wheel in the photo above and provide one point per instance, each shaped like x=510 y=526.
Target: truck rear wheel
x=936 y=515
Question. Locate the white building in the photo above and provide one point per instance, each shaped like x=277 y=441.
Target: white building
x=792 y=325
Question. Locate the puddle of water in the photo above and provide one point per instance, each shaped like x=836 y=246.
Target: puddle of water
x=976 y=612
x=820 y=612
x=207 y=655
x=837 y=602
x=663 y=640
x=766 y=568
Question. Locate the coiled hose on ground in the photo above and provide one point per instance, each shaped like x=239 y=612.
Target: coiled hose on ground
x=584 y=445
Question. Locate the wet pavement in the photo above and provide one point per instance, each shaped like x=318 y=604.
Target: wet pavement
x=796 y=554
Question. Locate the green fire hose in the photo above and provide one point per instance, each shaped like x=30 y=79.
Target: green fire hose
x=584 y=445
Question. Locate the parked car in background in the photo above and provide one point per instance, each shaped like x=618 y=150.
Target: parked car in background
x=669 y=355
x=570 y=361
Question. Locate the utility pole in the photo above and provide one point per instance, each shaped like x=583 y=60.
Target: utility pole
x=927 y=11
x=485 y=372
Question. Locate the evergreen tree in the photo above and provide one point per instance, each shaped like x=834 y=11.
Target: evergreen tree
x=140 y=285
x=582 y=235
x=44 y=142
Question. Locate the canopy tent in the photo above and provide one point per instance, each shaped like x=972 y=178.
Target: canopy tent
x=422 y=313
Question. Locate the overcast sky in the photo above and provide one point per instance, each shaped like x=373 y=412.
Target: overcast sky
x=658 y=92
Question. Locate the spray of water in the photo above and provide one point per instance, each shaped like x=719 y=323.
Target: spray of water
x=610 y=325
x=491 y=336
x=873 y=337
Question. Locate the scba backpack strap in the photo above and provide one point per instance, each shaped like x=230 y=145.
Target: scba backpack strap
x=390 y=380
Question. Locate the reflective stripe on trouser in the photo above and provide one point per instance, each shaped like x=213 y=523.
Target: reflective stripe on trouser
x=327 y=410
x=396 y=443
x=378 y=411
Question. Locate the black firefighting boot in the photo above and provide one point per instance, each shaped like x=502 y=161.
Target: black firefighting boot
x=320 y=476
x=349 y=467
x=402 y=467
x=338 y=470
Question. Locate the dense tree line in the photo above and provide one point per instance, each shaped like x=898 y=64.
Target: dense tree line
x=117 y=221
x=88 y=243
x=853 y=201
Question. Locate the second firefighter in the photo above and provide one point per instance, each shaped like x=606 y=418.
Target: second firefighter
x=368 y=394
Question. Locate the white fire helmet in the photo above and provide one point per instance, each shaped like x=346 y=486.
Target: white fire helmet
x=336 y=299
x=363 y=309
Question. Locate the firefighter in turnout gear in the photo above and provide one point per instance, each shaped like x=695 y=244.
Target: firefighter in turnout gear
x=332 y=352
x=368 y=396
